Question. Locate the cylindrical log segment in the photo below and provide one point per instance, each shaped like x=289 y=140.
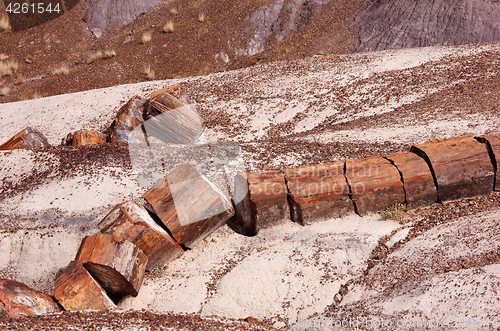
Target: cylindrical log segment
x=28 y=138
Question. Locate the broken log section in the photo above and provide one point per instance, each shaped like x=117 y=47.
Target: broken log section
x=171 y=121
x=189 y=205
x=18 y=300
x=127 y=119
x=81 y=138
x=76 y=289
x=261 y=201
x=418 y=182
x=375 y=184
x=132 y=222
x=461 y=166
x=117 y=264
x=318 y=192
x=493 y=145
x=28 y=138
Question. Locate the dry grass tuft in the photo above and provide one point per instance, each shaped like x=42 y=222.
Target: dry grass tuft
x=3 y=57
x=96 y=56
x=149 y=72
x=201 y=17
x=7 y=68
x=62 y=70
x=174 y=11
x=146 y=37
x=20 y=80
x=168 y=27
x=109 y=54
x=4 y=91
x=396 y=212
x=4 y=23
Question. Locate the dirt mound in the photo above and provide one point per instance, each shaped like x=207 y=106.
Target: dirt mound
x=389 y=24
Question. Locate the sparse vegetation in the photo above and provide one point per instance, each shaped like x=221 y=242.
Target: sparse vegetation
x=4 y=23
x=62 y=70
x=3 y=57
x=168 y=27
x=149 y=72
x=20 y=80
x=174 y=11
x=201 y=17
x=396 y=212
x=7 y=68
x=96 y=56
x=146 y=37
x=109 y=54
x=4 y=91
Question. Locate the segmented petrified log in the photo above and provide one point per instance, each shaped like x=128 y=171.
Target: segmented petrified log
x=375 y=184
x=318 y=192
x=76 y=289
x=189 y=205
x=28 y=138
x=117 y=264
x=493 y=145
x=418 y=182
x=261 y=200
x=129 y=117
x=172 y=122
x=132 y=222
x=81 y=138
x=461 y=167
x=17 y=299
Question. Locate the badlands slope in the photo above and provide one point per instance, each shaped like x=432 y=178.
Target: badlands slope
x=281 y=114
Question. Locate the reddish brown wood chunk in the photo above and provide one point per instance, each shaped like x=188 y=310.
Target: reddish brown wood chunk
x=132 y=222
x=375 y=184
x=76 y=289
x=261 y=201
x=81 y=138
x=189 y=205
x=127 y=119
x=117 y=264
x=171 y=121
x=461 y=166
x=172 y=90
x=17 y=299
x=493 y=145
x=418 y=182
x=318 y=192
x=28 y=138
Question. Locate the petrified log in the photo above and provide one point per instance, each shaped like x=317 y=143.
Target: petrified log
x=172 y=122
x=117 y=264
x=132 y=222
x=17 y=299
x=375 y=184
x=81 y=138
x=461 y=167
x=420 y=189
x=129 y=117
x=76 y=289
x=261 y=200
x=172 y=90
x=493 y=145
x=318 y=192
x=27 y=138
x=188 y=205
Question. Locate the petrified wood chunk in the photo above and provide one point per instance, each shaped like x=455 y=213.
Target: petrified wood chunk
x=461 y=166
x=17 y=300
x=172 y=90
x=81 y=138
x=418 y=182
x=117 y=264
x=261 y=200
x=27 y=138
x=493 y=145
x=318 y=192
x=129 y=117
x=76 y=289
x=189 y=205
x=132 y=222
x=375 y=184
x=172 y=122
